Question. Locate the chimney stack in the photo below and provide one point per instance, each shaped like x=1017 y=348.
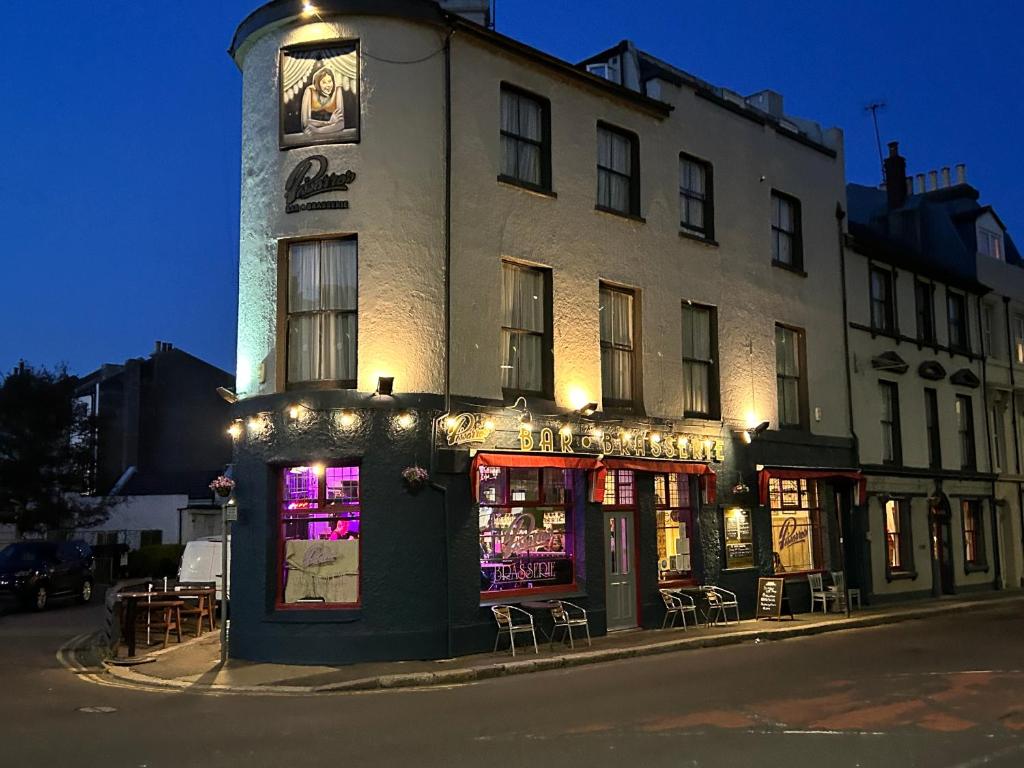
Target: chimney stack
x=895 y=172
x=961 y=173
x=945 y=177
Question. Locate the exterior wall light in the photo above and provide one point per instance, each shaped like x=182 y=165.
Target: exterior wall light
x=308 y=9
x=235 y=430
x=385 y=385
x=655 y=438
x=489 y=425
x=405 y=420
x=597 y=433
x=587 y=410
x=254 y=424
x=754 y=432
x=450 y=422
x=565 y=431
x=293 y=412
x=318 y=470
x=347 y=419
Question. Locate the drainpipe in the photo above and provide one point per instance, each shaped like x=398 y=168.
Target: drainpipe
x=840 y=216
x=447 y=330
x=997 y=575
x=1013 y=418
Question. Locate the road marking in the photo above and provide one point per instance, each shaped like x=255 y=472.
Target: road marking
x=99 y=710
x=986 y=759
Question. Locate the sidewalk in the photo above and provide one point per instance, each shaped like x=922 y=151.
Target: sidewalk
x=194 y=665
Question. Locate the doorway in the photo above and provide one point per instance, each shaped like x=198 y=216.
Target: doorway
x=942 y=551
x=620 y=573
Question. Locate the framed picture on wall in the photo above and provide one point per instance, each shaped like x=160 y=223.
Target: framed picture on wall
x=319 y=93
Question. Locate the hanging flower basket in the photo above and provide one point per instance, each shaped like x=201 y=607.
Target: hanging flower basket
x=415 y=478
x=222 y=486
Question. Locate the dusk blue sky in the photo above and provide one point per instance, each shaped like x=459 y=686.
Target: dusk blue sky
x=120 y=150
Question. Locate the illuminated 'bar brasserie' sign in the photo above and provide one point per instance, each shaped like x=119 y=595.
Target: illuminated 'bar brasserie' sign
x=508 y=433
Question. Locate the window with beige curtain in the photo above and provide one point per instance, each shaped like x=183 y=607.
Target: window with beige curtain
x=322 y=304
x=523 y=147
x=522 y=331
x=788 y=374
x=616 y=174
x=699 y=372
x=617 y=361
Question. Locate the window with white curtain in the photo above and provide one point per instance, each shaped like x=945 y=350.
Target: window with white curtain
x=788 y=343
x=617 y=359
x=524 y=309
x=321 y=311
x=700 y=373
x=617 y=172
x=695 y=211
x=990 y=243
x=786 y=246
x=525 y=146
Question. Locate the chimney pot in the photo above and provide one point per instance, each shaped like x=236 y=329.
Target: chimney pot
x=945 y=176
x=910 y=185
x=933 y=180
x=920 y=183
x=961 y=173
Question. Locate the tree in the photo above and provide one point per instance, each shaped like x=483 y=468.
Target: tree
x=45 y=451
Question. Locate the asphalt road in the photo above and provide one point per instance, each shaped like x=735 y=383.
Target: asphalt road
x=940 y=693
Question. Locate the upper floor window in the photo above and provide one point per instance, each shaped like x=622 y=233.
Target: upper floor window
x=1018 y=338
x=988 y=322
x=321 y=311
x=525 y=362
x=883 y=314
x=956 y=309
x=525 y=139
x=892 y=449
x=609 y=70
x=618 y=361
x=990 y=243
x=700 y=367
x=965 y=431
x=925 y=309
x=789 y=370
x=695 y=203
x=931 y=423
x=787 y=246
x=618 y=171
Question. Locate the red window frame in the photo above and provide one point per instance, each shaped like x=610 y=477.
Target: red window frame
x=685 y=514
x=804 y=504
x=324 y=505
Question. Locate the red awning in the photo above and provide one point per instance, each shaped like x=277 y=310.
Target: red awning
x=590 y=463
x=707 y=475
x=854 y=476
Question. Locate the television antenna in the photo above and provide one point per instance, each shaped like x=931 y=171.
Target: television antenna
x=874 y=108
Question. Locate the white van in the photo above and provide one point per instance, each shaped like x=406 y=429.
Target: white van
x=201 y=562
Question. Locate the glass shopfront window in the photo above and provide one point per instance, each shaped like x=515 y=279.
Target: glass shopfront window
x=796 y=525
x=739 y=538
x=525 y=517
x=673 y=502
x=320 y=532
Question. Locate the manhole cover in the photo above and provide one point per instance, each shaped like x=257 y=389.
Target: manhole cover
x=98 y=710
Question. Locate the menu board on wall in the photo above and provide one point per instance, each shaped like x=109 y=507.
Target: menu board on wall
x=739 y=540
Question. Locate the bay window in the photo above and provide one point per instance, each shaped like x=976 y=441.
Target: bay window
x=319 y=523
x=796 y=525
x=526 y=529
x=321 y=307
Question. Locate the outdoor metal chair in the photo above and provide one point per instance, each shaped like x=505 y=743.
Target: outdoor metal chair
x=677 y=604
x=511 y=619
x=725 y=600
x=566 y=615
x=819 y=594
x=853 y=593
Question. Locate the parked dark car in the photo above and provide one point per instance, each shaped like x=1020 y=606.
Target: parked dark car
x=33 y=572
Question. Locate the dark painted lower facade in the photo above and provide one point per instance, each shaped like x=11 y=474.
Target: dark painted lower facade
x=420 y=563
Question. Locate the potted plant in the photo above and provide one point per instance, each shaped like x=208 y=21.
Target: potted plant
x=415 y=478
x=222 y=486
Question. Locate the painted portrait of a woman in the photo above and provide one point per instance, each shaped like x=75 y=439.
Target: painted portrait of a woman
x=323 y=109
x=319 y=93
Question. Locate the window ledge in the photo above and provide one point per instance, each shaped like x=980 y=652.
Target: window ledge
x=789 y=268
x=620 y=214
x=975 y=567
x=304 y=615
x=569 y=593
x=705 y=240
x=512 y=181
x=901 y=576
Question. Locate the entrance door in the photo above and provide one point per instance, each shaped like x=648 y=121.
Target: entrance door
x=620 y=575
x=942 y=555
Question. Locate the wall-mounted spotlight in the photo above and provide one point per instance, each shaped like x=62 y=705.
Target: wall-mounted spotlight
x=405 y=420
x=227 y=395
x=587 y=410
x=758 y=430
x=385 y=385
x=235 y=430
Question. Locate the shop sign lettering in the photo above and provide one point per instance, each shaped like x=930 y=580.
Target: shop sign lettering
x=302 y=185
x=789 y=535
x=523 y=571
x=466 y=428
x=523 y=536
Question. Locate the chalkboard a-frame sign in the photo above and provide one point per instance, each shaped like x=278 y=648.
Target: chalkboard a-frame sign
x=769 y=598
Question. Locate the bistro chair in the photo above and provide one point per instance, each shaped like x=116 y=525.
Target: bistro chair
x=198 y=604
x=819 y=594
x=725 y=600
x=677 y=604
x=513 y=620
x=567 y=615
x=839 y=579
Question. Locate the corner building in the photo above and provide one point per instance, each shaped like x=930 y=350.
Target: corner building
x=514 y=329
